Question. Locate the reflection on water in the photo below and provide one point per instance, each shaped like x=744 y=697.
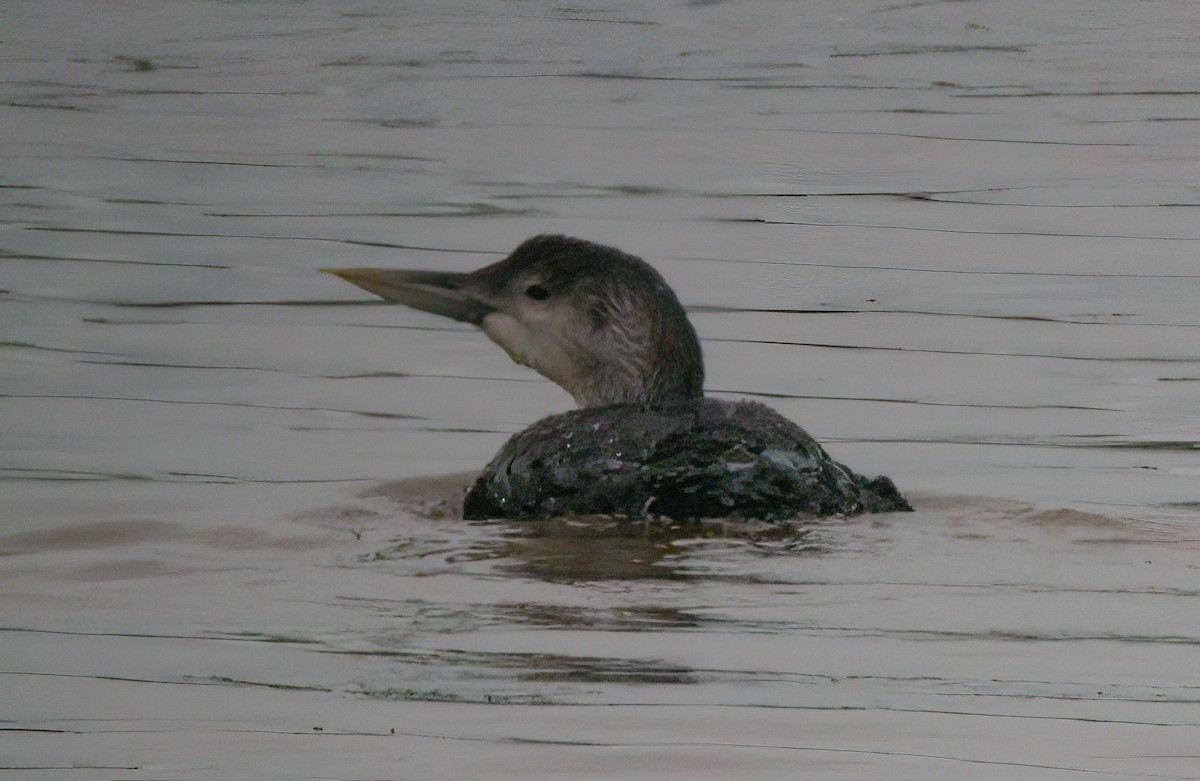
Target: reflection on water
x=584 y=548
x=874 y=614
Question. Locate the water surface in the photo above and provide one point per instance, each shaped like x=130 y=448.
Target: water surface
x=955 y=240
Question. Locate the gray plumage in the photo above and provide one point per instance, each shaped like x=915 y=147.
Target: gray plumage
x=606 y=327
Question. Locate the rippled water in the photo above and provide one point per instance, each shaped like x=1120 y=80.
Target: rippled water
x=955 y=240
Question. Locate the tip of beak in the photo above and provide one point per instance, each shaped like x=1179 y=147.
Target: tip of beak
x=435 y=292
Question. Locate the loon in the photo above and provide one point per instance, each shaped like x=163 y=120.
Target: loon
x=645 y=443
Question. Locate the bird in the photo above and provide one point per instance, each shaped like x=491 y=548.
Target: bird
x=644 y=443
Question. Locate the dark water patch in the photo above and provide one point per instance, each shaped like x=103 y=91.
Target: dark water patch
x=118 y=678
x=10 y=255
x=266 y=637
x=920 y=270
x=134 y=635
x=153 y=365
x=583 y=190
x=371 y=429
x=218 y=679
x=274 y=237
x=147 y=202
x=769 y=64
x=109 y=321
x=589 y=548
x=568 y=551
x=31 y=346
x=216 y=303
x=201 y=304
x=441 y=547
x=768 y=395
x=940 y=196
x=47 y=83
x=204 y=477
x=990 y=635
x=437 y=695
x=960 y=138
x=625 y=76
x=36 y=474
x=443 y=618
x=475 y=209
x=1104 y=320
x=1088 y=94
x=604 y=548
x=466 y=617
x=360 y=61
x=398 y=327
x=197 y=402
x=390 y=375
x=445 y=57
x=637 y=190
x=1034 y=205
x=921 y=111
x=1063 y=441
x=64 y=475
x=1139 y=120
x=201 y=92
x=537 y=667
x=198 y=162
x=367 y=376
x=633 y=618
x=390 y=123
x=1055 y=690
x=376 y=156
x=848 y=87
x=1126 y=541
x=137 y=64
x=1154 y=444
x=919 y=4
x=934 y=351
x=719 y=309
x=941 y=49
x=384 y=415
x=409 y=694
x=387 y=245
x=765 y=221
x=49 y=104
x=463 y=430
x=587 y=190
x=210 y=303
x=567 y=17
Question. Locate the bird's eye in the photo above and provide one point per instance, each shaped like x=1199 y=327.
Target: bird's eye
x=537 y=292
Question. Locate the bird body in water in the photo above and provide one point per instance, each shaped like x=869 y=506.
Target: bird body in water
x=645 y=443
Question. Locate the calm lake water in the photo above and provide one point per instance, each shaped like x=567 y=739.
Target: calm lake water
x=956 y=240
